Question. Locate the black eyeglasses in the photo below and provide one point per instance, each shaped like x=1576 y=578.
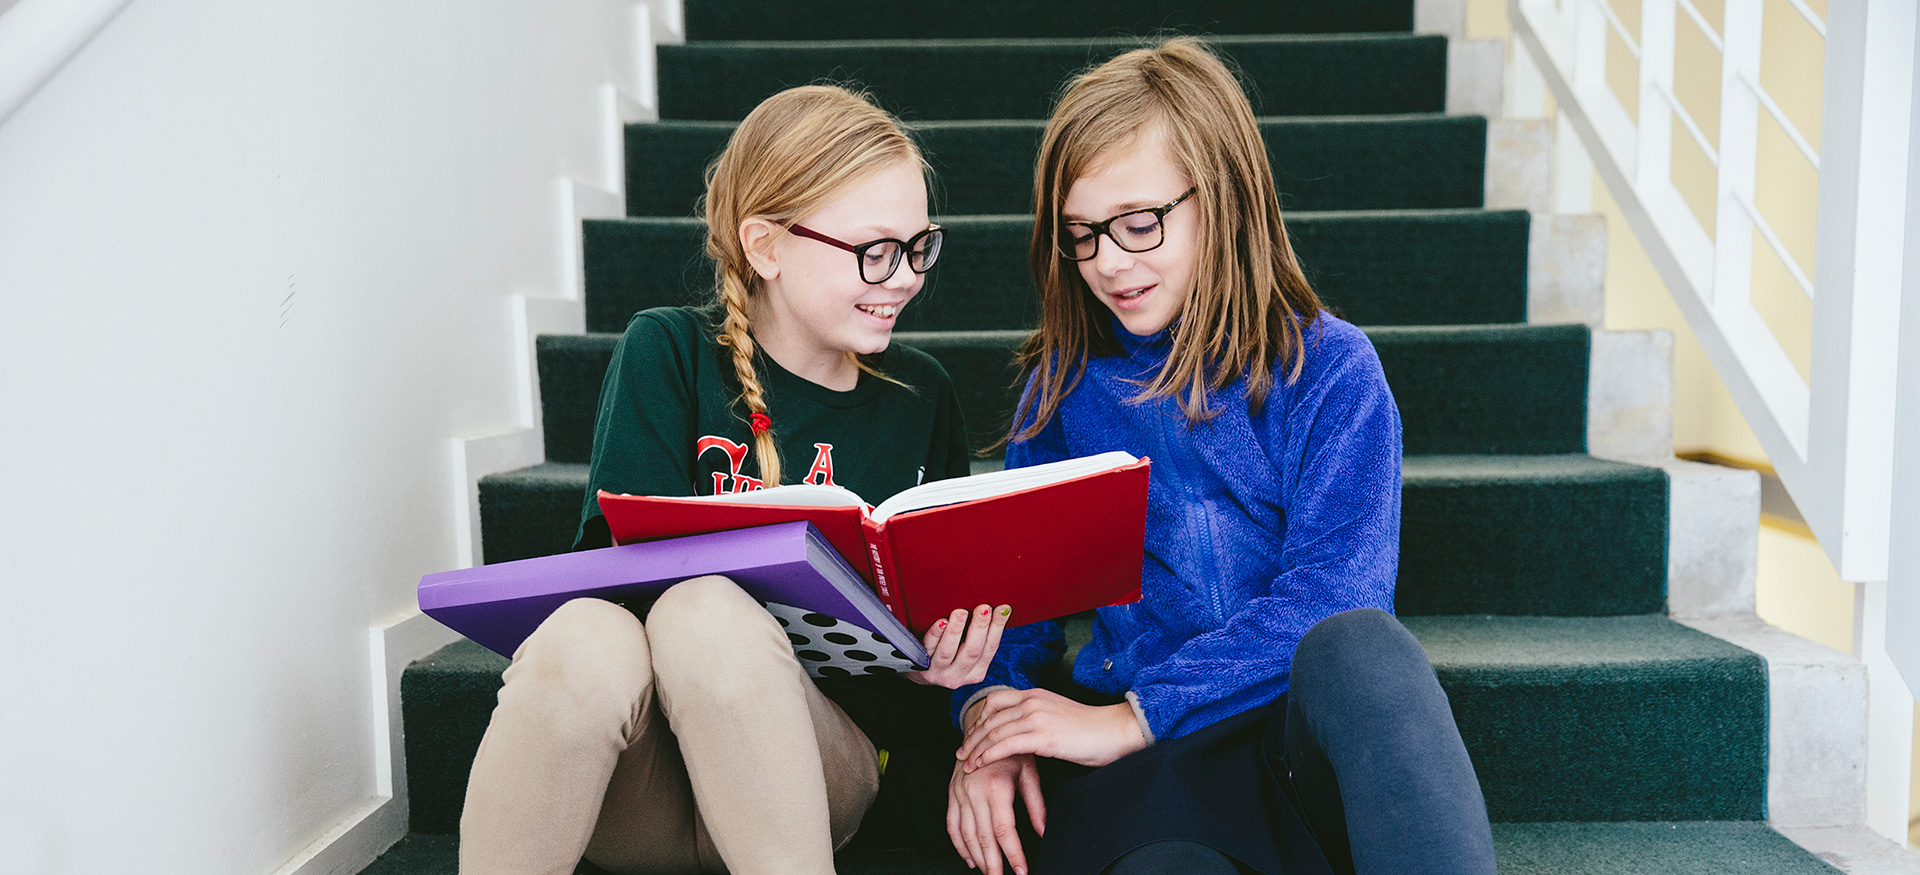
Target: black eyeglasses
x=880 y=259
x=1133 y=231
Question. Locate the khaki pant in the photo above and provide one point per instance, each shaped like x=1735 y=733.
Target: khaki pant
x=695 y=744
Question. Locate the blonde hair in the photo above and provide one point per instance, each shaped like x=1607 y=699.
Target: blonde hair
x=796 y=152
x=1249 y=303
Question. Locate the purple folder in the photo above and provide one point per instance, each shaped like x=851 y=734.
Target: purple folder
x=499 y=605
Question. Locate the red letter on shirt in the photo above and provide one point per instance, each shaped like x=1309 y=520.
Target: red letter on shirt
x=822 y=465
x=736 y=454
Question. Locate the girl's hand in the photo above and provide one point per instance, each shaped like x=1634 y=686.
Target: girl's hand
x=957 y=662
x=980 y=813
x=1012 y=723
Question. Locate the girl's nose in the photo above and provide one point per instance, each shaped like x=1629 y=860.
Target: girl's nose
x=1111 y=259
x=903 y=279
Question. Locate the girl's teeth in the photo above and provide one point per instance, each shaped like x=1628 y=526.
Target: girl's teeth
x=883 y=311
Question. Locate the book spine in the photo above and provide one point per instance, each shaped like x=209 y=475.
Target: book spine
x=880 y=550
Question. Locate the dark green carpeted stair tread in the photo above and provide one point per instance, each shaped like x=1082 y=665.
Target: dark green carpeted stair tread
x=1557 y=535
x=446 y=700
x=532 y=511
x=1416 y=267
x=1467 y=389
x=786 y=20
x=1740 y=847
x=1488 y=389
x=1567 y=719
x=1320 y=162
x=1399 y=267
x=419 y=854
x=1613 y=718
x=1018 y=78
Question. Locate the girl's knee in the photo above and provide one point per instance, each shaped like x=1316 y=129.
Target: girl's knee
x=706 y=612
x=1358 y=650
x=588 y=651
x=703 y=601
x=708 y=624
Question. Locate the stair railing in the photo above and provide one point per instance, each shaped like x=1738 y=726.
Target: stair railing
x=37 y=37
x=1830 y=434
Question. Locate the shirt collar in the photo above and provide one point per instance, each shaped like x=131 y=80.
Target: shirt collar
x=1151 y=348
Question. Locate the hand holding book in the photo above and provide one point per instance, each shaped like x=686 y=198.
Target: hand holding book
x=959 y=660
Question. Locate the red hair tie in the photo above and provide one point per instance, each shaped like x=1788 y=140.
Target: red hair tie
x=760 y=422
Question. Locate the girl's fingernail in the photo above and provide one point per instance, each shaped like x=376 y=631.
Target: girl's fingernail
x=1007 y=612
x=940 y=625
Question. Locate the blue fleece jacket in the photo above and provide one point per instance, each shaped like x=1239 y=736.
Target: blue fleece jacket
x=1258 y=526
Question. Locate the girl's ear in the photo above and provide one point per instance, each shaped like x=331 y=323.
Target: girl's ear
x=757 y=235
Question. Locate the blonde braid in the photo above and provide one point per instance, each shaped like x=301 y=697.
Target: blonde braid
x=735 y=334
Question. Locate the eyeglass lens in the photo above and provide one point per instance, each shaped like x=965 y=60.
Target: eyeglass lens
x=1137 y=231
x=881 y=259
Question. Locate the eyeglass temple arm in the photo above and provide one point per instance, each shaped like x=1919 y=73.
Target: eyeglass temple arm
x=809 y=233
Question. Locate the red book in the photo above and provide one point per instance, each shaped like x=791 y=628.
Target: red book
x=1049 y=540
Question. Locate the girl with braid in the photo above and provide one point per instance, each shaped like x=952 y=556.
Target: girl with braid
x=694 y=741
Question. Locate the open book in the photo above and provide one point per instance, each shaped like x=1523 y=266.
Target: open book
x=1050 y=540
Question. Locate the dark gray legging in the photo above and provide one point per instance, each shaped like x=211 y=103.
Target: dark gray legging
x=1367 y=730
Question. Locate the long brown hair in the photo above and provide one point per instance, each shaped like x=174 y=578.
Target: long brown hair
x=1249 y=303
x=796 y=152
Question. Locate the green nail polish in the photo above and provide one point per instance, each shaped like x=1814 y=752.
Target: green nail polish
x=1006 y=611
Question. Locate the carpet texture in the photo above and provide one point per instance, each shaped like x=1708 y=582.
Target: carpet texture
x=1319 y=163
x=942 y=78
x=783 y=19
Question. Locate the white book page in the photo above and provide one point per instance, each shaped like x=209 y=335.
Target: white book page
x=959 y=489
x=795 y=494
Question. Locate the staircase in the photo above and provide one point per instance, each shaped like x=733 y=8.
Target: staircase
x=1608 y=737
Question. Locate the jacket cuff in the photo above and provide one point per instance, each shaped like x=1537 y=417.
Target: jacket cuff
x=961 y=717
x=1139 y=713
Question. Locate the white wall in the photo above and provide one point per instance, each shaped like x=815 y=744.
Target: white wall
x=255 y=266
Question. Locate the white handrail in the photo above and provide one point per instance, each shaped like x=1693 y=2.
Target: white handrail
x=38 y=37
x=1829 y=436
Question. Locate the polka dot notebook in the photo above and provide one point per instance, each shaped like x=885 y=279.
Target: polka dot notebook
x=832 y=648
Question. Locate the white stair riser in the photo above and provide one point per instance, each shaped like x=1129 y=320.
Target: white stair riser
x=1519 y=169
x=1567 y=270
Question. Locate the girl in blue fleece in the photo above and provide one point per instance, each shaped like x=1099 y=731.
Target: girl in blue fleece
x=1264 y=711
